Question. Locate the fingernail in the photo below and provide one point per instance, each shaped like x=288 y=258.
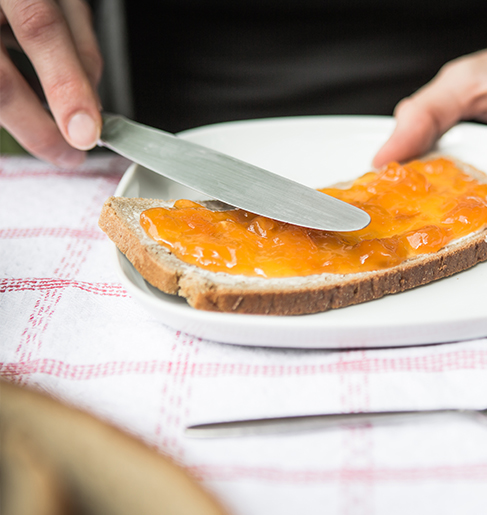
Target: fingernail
x=83 y=131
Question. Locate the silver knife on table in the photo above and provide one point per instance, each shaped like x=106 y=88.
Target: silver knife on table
x=227 y=179
x=296 y=424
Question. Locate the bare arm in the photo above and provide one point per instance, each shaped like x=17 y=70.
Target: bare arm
x=458 y=92
x=58 y=38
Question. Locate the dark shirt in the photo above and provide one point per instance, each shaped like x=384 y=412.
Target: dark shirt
x=196 y=62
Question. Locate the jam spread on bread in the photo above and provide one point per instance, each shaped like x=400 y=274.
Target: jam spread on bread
x=416 y=208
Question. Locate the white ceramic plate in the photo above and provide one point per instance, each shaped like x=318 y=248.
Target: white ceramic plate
x=319 y=151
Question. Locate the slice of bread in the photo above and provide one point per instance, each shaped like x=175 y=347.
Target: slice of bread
x=59 y=460
x=223 y=292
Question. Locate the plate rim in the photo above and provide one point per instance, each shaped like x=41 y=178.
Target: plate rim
x=478 y=326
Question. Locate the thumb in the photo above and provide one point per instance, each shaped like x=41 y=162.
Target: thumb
x=459 y=91
x=415 y=133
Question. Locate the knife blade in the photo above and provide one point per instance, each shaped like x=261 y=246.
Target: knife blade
x=228 y=179
x=295 y=424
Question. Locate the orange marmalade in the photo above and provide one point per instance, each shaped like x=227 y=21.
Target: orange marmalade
x=416 y=208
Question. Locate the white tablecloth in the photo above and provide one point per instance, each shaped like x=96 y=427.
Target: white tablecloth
x=67 y=326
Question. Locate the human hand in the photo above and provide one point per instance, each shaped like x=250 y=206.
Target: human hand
x=58 y=38
x=458 y=92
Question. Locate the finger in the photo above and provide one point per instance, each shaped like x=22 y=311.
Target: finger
x=22 y=114
x=458 y=92
x=420 y=120
x=415 y=133
x=7 y=37
x=79 y=19
x=43 y=33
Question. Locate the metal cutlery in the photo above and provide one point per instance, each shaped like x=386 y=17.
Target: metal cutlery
x=293 y=424
x=227 y=179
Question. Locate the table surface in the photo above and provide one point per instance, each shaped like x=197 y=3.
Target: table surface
x=68 y=327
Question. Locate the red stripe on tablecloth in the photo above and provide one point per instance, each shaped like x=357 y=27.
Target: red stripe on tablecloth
x=175 y=396
x=86 y=372
x=52 y=232
x=213 y=370
x=456 y=360
x=472 y=472
x=357 y=443
x=39 y=284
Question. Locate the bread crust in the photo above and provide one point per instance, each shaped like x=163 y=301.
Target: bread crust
x=228 y=293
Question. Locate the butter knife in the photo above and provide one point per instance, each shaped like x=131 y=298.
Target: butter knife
x=295 y=424
x=227 y=179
